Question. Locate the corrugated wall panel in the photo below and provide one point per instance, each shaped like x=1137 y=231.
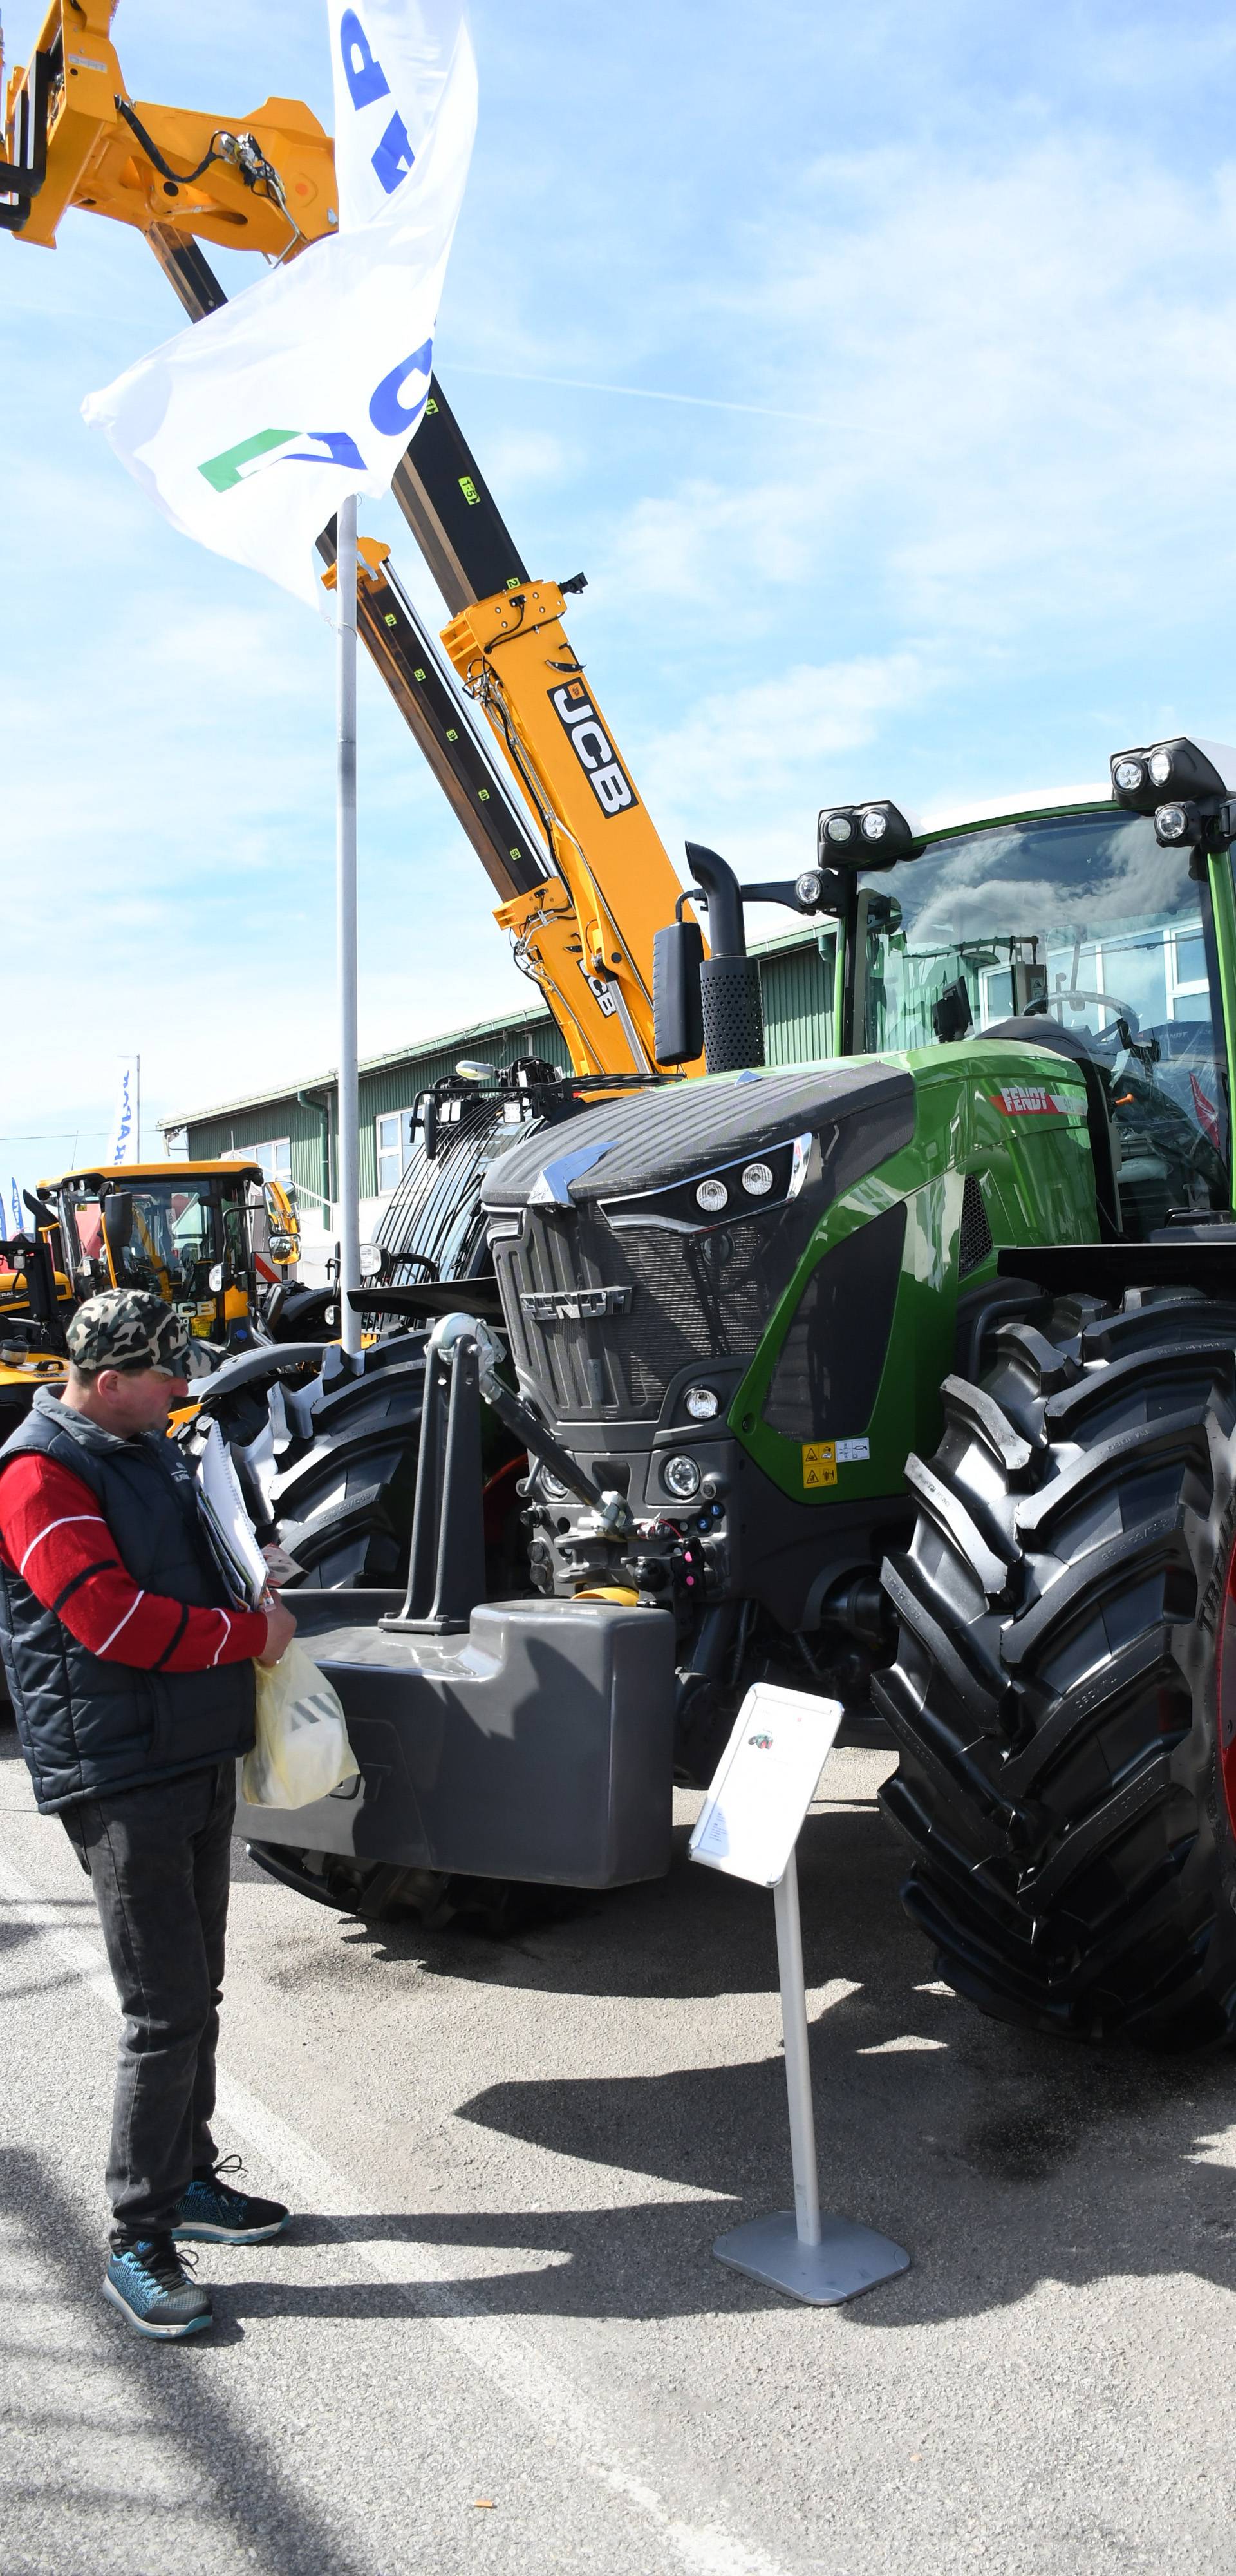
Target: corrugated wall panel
x=796 y=987
x=279 y=1116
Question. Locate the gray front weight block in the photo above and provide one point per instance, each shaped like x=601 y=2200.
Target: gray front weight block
x=537 y=1746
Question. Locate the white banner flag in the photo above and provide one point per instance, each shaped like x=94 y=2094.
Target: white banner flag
x=248 y=428
x=123 y=1147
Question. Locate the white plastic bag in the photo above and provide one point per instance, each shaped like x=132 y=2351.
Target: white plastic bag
x=302 y=1750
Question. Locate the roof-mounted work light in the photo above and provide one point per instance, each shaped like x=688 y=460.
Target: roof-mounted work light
x=865 y=836
x=1186 y=786
x=1177 y=826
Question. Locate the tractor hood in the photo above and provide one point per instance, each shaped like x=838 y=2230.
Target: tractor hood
x=656 y=1233
x=650 y=1139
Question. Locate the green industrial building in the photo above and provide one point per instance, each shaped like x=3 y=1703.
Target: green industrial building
x=293 y=1131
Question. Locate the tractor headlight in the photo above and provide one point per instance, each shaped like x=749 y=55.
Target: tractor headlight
x=1177 y=825
x=866 y=836
x=214 y=1278
x=702 y=1403
x=1160 y=767
x=681 y=1477
x=808 y=889
x=712 y=1196
x=1127 y=776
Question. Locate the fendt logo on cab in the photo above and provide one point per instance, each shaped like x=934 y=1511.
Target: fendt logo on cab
x=1029 y=1100
x=593 y=749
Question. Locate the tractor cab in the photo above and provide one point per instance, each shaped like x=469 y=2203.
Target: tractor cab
x=1080 y=932
x=207 y=1238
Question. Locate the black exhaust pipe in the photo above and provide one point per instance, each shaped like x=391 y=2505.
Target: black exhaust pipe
x=729 y=979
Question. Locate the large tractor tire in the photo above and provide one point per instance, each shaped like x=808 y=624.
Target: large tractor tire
x=1064 y=1689
x=328 y=1461
x=342 y=1499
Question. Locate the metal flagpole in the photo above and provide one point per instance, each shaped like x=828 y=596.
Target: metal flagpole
x=345 y=903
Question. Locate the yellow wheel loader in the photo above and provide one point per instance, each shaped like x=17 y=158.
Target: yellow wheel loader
x=212 y=1239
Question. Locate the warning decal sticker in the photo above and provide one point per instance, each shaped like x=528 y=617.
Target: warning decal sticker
x=821 y=1459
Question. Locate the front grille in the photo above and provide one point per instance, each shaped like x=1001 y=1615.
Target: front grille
x=690 y=1298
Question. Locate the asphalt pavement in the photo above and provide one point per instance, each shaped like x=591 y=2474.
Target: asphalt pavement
x=497 y=2338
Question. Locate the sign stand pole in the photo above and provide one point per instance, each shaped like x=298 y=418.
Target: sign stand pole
x=345 y=899
x=822 y=2259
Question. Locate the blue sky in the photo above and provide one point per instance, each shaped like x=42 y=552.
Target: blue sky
x=950 y=511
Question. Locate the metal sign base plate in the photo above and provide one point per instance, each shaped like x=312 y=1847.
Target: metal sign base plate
x=848 y=2259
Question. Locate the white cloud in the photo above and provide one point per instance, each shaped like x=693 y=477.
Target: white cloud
x=1010 y=359
x=738 y=747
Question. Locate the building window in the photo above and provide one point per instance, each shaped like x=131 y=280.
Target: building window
x=275 y=1159
x=394 y=1147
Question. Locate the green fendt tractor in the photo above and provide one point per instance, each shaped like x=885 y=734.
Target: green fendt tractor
x=911 y=1375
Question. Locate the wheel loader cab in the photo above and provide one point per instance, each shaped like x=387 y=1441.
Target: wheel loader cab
x=186 y=1232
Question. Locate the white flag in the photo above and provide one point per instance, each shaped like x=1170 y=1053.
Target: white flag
x=250 y=427
x=123 y=1147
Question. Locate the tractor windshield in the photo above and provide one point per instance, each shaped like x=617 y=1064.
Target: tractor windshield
x=1083 y=920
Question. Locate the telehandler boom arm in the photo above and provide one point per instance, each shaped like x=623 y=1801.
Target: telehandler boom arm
x=580 y=897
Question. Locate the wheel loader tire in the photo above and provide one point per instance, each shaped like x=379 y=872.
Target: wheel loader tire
x=1064 y=1688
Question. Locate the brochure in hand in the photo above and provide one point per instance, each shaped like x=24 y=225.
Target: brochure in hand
x=227 y=1524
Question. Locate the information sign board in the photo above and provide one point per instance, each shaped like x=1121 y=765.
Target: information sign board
x=765 y=1782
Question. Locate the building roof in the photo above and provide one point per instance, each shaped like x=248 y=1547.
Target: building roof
x=288 y=1089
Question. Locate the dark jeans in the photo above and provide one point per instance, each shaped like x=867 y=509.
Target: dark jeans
x=159 y=1861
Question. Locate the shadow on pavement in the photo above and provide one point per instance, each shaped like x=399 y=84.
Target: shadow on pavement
x=1068 y=2171
x=692 y=1933
x=1000 y=2157
x=245 y=2495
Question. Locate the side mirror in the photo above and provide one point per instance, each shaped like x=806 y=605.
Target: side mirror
x=118 y=1221
x=951 y=1016
x=282 y=1230
x=677 y=1001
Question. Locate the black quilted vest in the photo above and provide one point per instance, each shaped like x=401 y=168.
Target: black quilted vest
x=89 y=1727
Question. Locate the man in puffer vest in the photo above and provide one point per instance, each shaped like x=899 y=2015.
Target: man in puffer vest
x=131 y=1677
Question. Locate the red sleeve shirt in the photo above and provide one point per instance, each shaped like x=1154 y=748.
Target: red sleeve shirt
x=53 y=1534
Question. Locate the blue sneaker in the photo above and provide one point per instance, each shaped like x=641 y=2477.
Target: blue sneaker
x=149 y=2284
x=211 y=2210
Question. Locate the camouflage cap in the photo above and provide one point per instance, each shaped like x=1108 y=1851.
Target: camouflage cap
x=128 y=1328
